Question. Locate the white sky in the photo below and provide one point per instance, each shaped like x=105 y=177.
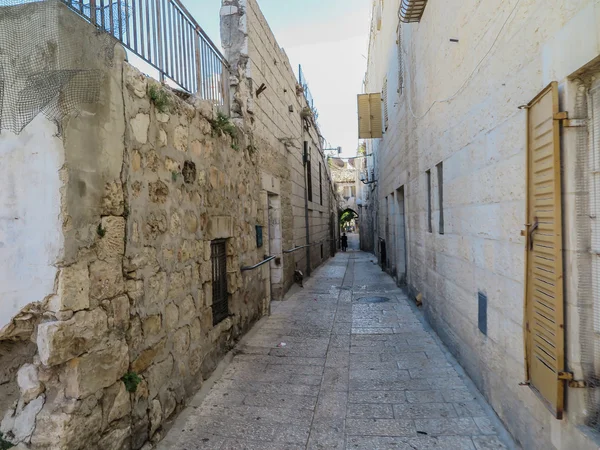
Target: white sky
x=329 y=38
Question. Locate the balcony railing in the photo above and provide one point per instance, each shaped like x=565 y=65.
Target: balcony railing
x=165 y=35
x=307 y=95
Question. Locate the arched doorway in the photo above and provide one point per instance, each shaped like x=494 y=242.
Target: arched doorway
x=349 y=224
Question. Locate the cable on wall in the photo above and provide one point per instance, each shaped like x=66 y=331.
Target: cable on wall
x=469 y=78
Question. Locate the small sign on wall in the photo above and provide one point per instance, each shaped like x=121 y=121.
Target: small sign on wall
x=259 y=236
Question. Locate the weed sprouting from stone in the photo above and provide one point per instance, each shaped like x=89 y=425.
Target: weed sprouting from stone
x=222 y=125
x=160 y=98
x=174 y=176
x=4 y=444
x=131 y=381
x=100 y=231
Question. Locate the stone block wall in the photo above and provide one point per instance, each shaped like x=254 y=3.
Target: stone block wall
x=279 y=131
x=477 y=131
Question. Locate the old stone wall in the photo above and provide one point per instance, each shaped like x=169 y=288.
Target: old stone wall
x=107 y=354
x=279 y=130
x=457 y=105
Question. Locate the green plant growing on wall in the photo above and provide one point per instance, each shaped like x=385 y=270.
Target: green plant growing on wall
x=174 y=175
x=100 y=231
x=131 y=381
x=306 y=112
x=362 y=149
x=160 y=98
x=4 y=444
x=346 y=217
x=223 y=126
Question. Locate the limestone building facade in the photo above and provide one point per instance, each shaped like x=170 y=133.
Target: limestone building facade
x=486 y=195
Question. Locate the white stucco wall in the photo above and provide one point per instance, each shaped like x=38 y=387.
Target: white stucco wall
x=30 y=227
x=502 y=59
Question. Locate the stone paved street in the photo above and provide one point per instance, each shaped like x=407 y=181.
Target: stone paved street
x=353 y=374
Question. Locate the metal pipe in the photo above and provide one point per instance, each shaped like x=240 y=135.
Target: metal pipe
x=306 y=181
x=292 y=250
x=270 y=258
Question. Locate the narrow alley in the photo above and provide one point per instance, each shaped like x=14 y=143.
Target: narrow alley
x=346 y=362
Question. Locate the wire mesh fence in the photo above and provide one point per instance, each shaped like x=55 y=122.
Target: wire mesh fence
x=39 y=69
x=160 y=32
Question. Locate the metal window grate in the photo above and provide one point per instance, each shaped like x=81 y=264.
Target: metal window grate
x=429 y=215
x=440 y=173
x=218 y=256
x=309 y=180
x=412 y=10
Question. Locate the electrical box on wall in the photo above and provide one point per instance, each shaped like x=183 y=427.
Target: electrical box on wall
x=482 y=312
x=259 y=236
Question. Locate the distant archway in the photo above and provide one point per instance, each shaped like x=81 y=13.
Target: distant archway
x=343 y=212
x=347 y=216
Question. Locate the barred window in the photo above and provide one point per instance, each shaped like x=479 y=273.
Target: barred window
x=220 y=305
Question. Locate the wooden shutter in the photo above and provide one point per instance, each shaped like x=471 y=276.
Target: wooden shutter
x=369 y=116
x=400 y=60
x=544 y=326
x=385 y=104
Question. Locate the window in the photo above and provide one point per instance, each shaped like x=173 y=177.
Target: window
x=594 y=189
x=218 y=256
x=320 y=185
x=309 y=180
x=440 y=179
x=429 y=225
x=385 y=104
x=352 y=191
x=369 y=116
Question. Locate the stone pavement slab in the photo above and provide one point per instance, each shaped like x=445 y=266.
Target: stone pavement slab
x=333 y=369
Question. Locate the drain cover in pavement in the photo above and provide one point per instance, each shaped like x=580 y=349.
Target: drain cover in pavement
x=373 y=300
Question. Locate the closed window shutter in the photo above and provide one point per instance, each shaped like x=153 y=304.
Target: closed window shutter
x=594 y=168
x=400 y=60
x=544 y=277
x=369 y=116
x=385 y=104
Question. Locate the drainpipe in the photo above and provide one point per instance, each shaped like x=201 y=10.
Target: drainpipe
x=306 y=161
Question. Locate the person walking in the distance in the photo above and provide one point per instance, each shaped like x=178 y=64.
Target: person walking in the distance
x=344 y=242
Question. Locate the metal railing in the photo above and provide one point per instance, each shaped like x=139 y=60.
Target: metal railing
x=292 y=250
x=307 y=95
x=256 y=266
x=165 y=35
